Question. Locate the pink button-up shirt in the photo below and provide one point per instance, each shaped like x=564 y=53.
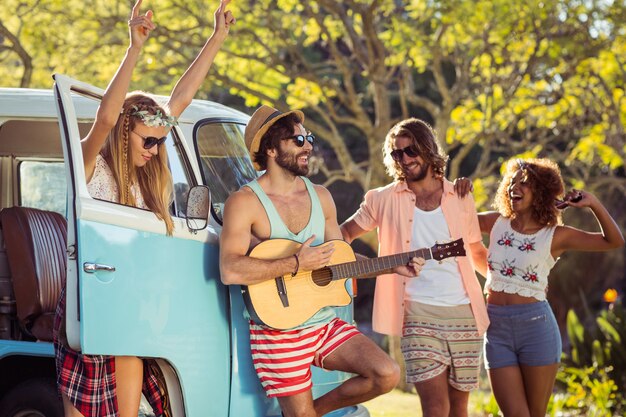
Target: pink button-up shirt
x=391 y=209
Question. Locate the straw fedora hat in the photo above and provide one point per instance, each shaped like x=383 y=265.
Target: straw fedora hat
x=262 y=119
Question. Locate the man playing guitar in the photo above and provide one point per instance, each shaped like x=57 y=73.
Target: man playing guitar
x=283 y=203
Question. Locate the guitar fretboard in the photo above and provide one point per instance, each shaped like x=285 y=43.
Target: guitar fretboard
x=369 y=267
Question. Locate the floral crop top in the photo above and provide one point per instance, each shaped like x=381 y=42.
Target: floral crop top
x=519 y=263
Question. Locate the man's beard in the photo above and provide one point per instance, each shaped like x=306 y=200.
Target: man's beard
x=412 y=176
x=289 y=162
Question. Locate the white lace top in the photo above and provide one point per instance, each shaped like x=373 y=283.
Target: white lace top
x=519 y=263
x=103 y=186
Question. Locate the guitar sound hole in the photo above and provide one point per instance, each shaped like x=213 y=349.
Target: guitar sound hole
x=322 y=277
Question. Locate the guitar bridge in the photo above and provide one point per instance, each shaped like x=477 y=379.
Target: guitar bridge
x=282 y=291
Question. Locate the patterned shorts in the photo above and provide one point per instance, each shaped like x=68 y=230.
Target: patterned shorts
x=283 y=358
x=435 y=338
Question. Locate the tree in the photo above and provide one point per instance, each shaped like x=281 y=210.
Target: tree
x=12 y=53
x=497 y=79
x=482 y=72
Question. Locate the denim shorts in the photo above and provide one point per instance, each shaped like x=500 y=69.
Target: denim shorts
x=522 y=334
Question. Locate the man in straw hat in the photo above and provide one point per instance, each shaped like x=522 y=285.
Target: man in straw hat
x=283 y=203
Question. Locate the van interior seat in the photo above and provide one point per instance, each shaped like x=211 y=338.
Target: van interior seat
x=36 y=245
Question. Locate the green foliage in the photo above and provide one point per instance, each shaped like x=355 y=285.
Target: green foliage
x=588 y=391
x=496 y=77
x=580 y=351
x=600 y=344
x=484 y=403
x=593 y=147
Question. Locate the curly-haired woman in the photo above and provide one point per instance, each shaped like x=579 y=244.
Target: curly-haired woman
x=126 y=162
x=522 y=343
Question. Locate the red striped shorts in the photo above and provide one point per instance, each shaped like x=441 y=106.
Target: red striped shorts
x=283 y=358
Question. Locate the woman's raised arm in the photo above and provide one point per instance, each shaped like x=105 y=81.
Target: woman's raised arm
x=108 y=112
x=569 y=238
x=186 y=88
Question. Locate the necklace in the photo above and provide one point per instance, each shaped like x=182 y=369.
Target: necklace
x=428 y=200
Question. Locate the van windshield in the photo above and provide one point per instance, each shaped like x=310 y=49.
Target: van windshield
x=224 y=160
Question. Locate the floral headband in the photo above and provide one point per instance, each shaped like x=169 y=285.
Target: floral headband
x=154 y=120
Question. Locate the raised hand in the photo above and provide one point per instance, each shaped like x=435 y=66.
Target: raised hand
x=224 y=19
x=579 y=198
x=140 y=26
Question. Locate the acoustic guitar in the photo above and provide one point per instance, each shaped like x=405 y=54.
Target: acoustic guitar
x=288 y=301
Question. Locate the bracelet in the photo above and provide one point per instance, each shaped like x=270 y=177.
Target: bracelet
x=293 y=274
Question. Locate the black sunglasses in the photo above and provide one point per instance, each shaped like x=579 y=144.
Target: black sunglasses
x=397 y=154
x=150 y=141
x=299 y=139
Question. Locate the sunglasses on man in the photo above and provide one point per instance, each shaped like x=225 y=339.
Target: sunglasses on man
x=150 y=141
x=299 y=139
x=397 y=154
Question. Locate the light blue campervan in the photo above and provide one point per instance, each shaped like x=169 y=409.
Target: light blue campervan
x=131 y=290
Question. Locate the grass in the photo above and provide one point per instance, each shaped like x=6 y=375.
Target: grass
x=395 y=404
x=398 y=403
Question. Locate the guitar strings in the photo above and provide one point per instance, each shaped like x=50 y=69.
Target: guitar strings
x=325 y=275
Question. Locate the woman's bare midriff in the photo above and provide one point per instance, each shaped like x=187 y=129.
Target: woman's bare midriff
x=505 y=299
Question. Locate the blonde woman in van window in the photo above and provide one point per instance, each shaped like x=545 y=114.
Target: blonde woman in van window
x=126 y=162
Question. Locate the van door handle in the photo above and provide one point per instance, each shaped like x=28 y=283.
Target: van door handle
x=91 y=267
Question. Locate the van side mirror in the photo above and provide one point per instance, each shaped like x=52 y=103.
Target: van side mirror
x=198 y=204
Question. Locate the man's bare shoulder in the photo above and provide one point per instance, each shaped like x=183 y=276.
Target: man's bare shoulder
x=321 y=190
x=324 y=195
x=327 y=202
x=244 y=194
x=244 y=198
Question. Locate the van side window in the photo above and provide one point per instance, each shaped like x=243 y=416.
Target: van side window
x=178 y=164
x=224 y=160
x=180 y=174
x=43 y=185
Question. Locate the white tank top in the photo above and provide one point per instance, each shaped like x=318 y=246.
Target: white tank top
x=438 y=283
x=519 y=263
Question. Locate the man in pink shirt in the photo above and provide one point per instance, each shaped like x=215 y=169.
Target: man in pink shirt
x=441 y=313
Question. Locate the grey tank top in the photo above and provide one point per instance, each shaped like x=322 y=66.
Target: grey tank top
x=279 y=230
